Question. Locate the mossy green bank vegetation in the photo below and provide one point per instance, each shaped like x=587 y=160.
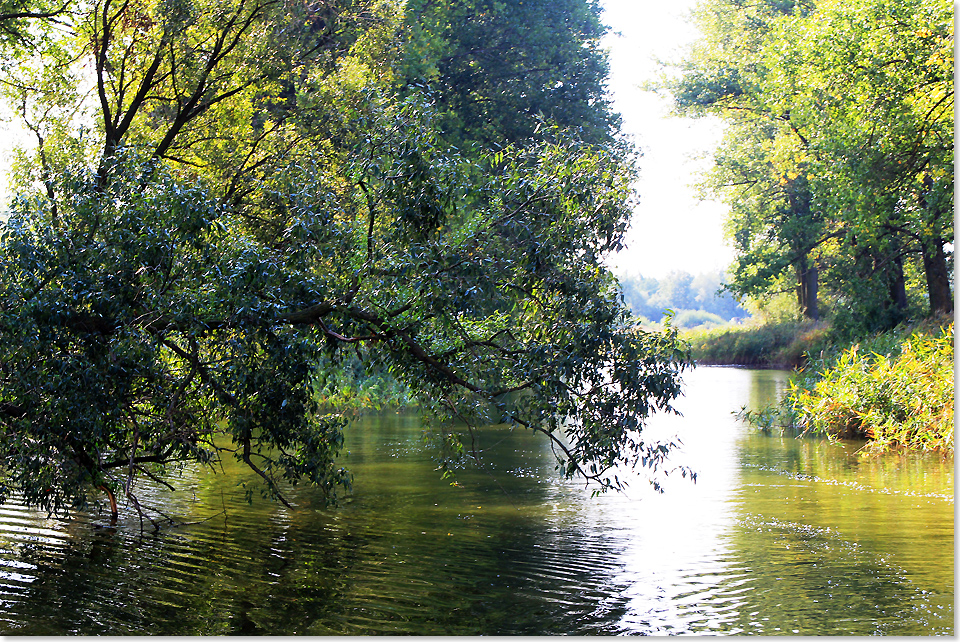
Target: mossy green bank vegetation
x=766 y=345
x=893 y=388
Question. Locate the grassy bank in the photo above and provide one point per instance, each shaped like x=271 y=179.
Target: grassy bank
x=354 y=388
x=782 y=345
x=895 y=389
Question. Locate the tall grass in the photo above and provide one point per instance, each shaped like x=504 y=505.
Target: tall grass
x=895 y=391
x=771 y=345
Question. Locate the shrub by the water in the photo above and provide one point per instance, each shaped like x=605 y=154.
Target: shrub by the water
x=896 y=395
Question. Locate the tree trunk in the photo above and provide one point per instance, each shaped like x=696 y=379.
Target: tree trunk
x=808 y=284
x=811 y=283
x=898 y=286
x=938 y=277
x=114 y=513
x=931 y=249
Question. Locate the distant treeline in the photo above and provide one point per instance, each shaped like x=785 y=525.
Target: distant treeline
x=695 y=300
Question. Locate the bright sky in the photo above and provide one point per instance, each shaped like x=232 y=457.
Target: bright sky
x=672 y=229
x=10 y=135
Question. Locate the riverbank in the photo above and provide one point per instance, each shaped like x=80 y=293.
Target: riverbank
x=772 y=345
x=895 y=388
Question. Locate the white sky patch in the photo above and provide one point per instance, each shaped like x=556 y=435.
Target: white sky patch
x=672 y=229
x=12 y=135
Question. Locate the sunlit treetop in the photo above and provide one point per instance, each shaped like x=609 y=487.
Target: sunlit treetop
x=838 y=160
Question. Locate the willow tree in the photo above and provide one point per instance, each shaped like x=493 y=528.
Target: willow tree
x=252 y=202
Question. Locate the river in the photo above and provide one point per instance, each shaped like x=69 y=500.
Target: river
x=779 y=535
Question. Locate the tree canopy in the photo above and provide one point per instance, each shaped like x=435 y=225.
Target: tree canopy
x=838 y=161
x=495 y=67
x=16 y=17
x=228 y=197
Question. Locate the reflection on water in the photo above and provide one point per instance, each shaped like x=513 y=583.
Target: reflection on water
x=779 y=536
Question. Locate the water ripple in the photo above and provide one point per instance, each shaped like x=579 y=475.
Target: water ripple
x=847 y=483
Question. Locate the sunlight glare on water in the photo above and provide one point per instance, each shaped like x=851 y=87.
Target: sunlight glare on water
x=677 y=553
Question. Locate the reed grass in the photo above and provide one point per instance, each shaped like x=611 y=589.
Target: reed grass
x=765 y=345
x=897 y=392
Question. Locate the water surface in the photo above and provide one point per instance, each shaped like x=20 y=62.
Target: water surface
x=778 y=536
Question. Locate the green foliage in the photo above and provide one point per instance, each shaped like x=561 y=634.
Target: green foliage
x=115 y=318
x=141 y=322
x=766 y=420
x=905 y=399
x=348 y=386
x=19 y=21
x=838 y=156
x=246 y=224
x=768 y=344
x=497 y=68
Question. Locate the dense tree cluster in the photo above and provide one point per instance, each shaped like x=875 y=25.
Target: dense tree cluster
x=496 y=68
x=838 y=157
x=228 y=198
